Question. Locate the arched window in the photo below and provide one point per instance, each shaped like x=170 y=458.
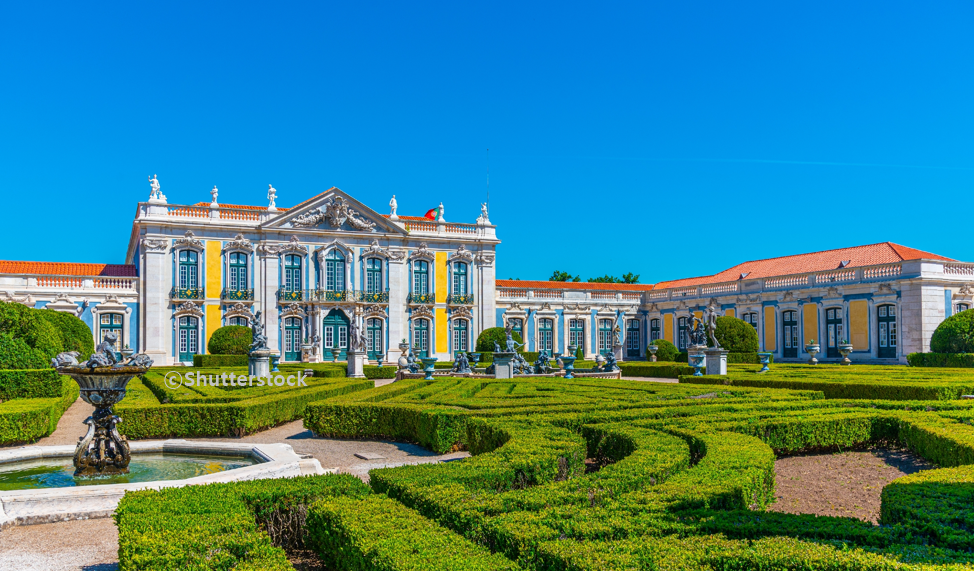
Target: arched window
x=654 y=330
x=292 y=272
x=237 y=280
x=959 y=307
x=189 y=277
x=421 y=337
x=421 y=280
x=546 y=328
x=334 y=271
x=633 y=338
x=238 y=320
x=373 y=275
x=459 y=278
x=605 y=336
x=111 y=323
x=373 y=336
x=459 y=335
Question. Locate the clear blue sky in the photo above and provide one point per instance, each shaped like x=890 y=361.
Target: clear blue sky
x=619 y=134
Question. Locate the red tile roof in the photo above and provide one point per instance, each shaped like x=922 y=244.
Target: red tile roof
x=528 y=284
x=241 y=206
x=857 y=256
x=67 y=269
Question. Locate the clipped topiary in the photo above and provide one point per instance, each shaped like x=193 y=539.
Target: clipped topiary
x=955 y=334
x=45 y=331
x=75 y=334
x=666 y=352
x=230 y=340
x=487 y=338
x=16 y=354
x=736 y=335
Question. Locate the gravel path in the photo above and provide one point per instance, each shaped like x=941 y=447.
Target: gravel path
x=848 y=484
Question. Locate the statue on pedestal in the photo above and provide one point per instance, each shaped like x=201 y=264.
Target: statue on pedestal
x=214 y=194
x=483 y=220
x=610 y=363
x=155 y=194
x=271 y=196
x=542 y=365
x=257 y=329
x=695 y=330
x=512 y=345
x=461 y=364
x=712 y=325
x=356 y=339
x=392 y=207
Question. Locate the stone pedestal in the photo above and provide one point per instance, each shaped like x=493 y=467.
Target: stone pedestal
x=503 y=365
x=356 y=365
x=617 y=352
x=716 y=361
x=259 y=363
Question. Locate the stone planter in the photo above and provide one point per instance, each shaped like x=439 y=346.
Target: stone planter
x=429 y=365
x=765 y=359
x=569 y=363
x=127 y=352
x=844 y=350
x=335 y=352
x=652 y=352
x=813 y=349
x=698 y=362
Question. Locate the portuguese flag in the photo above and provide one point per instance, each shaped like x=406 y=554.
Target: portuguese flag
x=431 y=215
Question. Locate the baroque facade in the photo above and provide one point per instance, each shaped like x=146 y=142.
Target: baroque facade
x=310 y=272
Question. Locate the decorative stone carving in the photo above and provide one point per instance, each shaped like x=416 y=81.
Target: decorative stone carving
x=682 y=305
x=653 y=308
x=576 y=307
x=713 y=301
x=392 y=207
x=26 y=300
x=965 y=289
x=292 y=310
x=397 y=255
x=271 y=198
x=336 y=213
x=154 y=245
x=423 y=252
x=833 y=292
x=214 y=193
x=545 y=307
x=376 y=250
x=374 y=311
x=187 y=308
x=462 y=253
x=64 y=304
x=484 y=259
x=887 y=289
x=422 y=311
x=789 y=296
x=155 y=195
x=462 y=311
x=189 y=240
x=239 y=310
x=483 y=220
x=293 y=246
x=238 y=243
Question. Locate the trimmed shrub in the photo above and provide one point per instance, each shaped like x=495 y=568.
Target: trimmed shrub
x=75 y=334
x=47 y=332
x=666 y=352
x=230 y=340
x=219 y=360
x=959 y=360
x=487 y=338
x=16 y=354
x=736 y=335
x=955 y=334
x=30 y=384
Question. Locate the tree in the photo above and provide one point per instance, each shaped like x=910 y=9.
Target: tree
x=630 y=278
x=559 y=276
x=955 y=334
x=487 y=338
x=606 y=279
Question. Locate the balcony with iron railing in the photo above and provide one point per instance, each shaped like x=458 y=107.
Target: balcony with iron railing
x=187 y=293
x=460 y=299
x=421 y=298
x=372 y=296
x=325 y=296
x=237 y=294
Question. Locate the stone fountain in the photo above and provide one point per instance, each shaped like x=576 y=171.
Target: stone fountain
x=102 y=380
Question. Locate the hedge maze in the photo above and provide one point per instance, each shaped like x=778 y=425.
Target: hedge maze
x=579 y=475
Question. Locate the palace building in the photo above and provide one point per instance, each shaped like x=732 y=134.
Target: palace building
x=308 y=272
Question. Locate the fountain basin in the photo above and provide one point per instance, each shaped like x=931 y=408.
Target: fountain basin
x=98 y=497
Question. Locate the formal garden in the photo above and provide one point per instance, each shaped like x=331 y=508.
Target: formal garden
x=583 y=474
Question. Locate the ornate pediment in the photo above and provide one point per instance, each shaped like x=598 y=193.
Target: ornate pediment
x=374 y=250
x=239 y=243
x=461 y=312
x=189 y=240
x=154 y=245
x=188 y=308
x=374 y=311
x=653 y=308
x=334 y=210
x=421 y=311
x=577 y=307
x=545 y=307
x=239 y=310
x=64 y=304
x=887 y=289
x=292 y=246
x=462 y=253
x=422 y=253
x=965 y=289
x=833 y=292
x=789 y=296
x=292 y=310
x=24 y=300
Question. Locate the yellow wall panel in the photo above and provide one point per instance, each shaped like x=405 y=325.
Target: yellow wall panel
x=441 y=279
x=810 y=310
x=214 y=267
x=668 y=327
x=770 y=330
x=213 y=320
x=730 y=313
x=442 y=332
x=698 y=314
x=859 y=324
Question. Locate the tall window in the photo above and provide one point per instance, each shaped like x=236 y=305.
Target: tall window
x=335 y=271
x=683 y=329
x=421 y=336
x=517 y=326
x=292 y=273
x=459 y=335
x=887 y=331
x=241 y=321
x=421 y=277
x=605 y=336
x=833 y=323
x=373 y=337
x=576 y=333
x=111 y=323
x=459 y=278
x=546 y=328
x=188 y=269
x=292 y=339
x=632 y=338
x=373 y=275
x=237 y=280
x=188 y=338
x=654 y=330
x=789 y=320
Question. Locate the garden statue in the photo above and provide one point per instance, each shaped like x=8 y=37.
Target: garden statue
x=356 y=339
x=315 y=343
x=461 y=364
x=411 y=362
x=617 y=334
x=512 y=345
x=497 y=347
x=271 y=196
x=483 y=220
x=712 y=325
x=599 y=360
x=542 y=365
x=257 y=329
x=104 y=355
x=521 y=366
x=610 y=363
x=695 y=330
x=65 y=359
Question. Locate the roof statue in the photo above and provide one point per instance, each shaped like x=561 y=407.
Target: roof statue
x=155 y=195
x=483 y=220
x=271 y=196
x=392 y=207
x=214 y=194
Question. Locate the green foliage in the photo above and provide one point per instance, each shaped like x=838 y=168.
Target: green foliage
x=220 y=360
x=16 y=354
x=661 y=370
x=487 y=338
x=627 y=278
x=44 y=332
x=736 y=335
x=26 y=419
x=666 y=351
x=559 y=276
x=960 y=360
x=230 y=340
x=29 y=384
x=955 y=334
x=75 y=334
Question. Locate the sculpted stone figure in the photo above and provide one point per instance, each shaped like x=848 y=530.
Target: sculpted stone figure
x=497 y=347
x=712 y=325
x=155 y=193
x=257 y=329
x=512 y=345
x=461 y=364
x=214 y=194
x=411 y=362
x=271 y=197
x=356 y=339
x=610 y=363
x=542 y=365
x=695 y=330
x=392 y=208
x=65 y=359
